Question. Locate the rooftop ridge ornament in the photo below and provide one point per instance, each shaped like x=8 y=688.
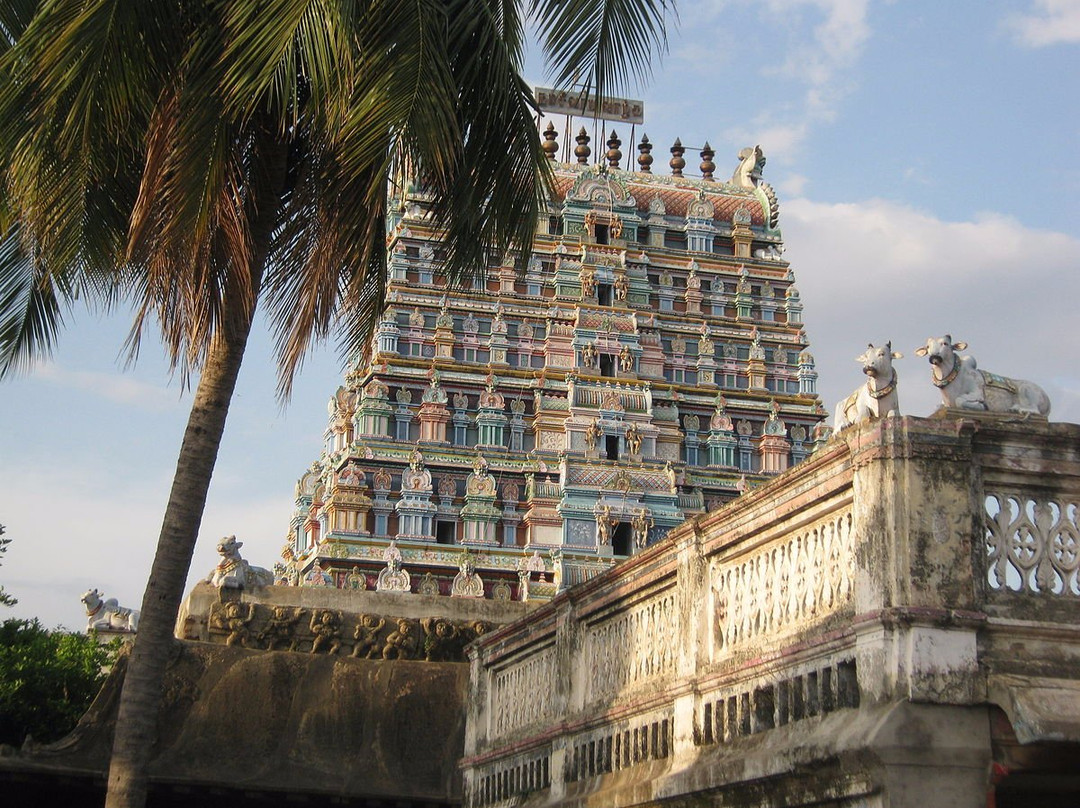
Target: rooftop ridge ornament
x=582 y=150
x=707 y=164
x=549 y=145
x=645 y=158
x=614 y=154
x=677 y=162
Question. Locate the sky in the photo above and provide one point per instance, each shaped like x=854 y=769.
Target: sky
x=926 y=159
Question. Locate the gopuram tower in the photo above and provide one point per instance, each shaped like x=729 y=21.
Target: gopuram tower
x=646 y=363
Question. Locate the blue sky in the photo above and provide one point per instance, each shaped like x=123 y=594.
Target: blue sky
x=927 y=163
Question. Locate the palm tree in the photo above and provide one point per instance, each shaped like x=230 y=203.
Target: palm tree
x=203 y=157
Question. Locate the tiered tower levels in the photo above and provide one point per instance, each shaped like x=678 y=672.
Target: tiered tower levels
x=646 y=363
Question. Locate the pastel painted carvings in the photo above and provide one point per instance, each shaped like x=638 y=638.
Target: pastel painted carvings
x=876 y=398
x=964 y=386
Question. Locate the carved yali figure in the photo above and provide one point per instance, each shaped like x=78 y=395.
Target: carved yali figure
x=963 y=385
x=877 y=398
x=232 y=620
x=326 y=631
x=281 y=627
x=366 y=635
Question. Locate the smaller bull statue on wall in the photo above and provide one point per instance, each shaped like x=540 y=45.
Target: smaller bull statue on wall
x=964 y=386
x=107 y=615
x=233 y=572
x=876 y=398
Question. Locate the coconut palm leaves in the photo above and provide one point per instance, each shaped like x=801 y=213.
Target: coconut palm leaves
x=195 y=157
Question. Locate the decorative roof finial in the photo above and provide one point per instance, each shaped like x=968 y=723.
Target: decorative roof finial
x=549 y=145
x=707 y=164
x=614 y=155
x=645 y=157
x=582 y=150
x=677 y=162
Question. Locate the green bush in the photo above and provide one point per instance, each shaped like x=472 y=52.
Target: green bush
x=47 y=679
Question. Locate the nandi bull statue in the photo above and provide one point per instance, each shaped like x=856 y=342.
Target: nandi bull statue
x=963 y=385
x=233 y=572
x=876 y=398
x=108 y=615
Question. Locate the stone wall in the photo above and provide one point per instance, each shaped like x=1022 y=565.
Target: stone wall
x=860 y=614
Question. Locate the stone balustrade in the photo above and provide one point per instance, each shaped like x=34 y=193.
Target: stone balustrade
x=908 y=563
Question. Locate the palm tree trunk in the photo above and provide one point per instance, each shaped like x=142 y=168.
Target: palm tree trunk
x=140 y=700
x=136 y=722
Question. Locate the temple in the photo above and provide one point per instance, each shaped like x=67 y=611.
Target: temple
x=645 y=364
x=892 y=622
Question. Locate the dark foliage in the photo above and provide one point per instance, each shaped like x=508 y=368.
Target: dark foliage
x=47 y=679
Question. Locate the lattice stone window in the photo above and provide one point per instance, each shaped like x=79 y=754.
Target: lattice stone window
x=1032 y=545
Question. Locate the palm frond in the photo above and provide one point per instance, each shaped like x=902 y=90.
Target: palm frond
x=30 y=311
x=602 y=43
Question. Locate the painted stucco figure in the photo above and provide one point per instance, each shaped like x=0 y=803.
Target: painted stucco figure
x=233 y=572
x=964 y=386
x=877 y=398
x=107 y=615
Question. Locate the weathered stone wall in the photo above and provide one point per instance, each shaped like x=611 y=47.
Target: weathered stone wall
x=855 y=614
x=270 y=728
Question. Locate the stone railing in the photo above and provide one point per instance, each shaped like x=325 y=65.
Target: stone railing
x=903 y=561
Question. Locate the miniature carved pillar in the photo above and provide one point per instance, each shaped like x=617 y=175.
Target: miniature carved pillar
x=388 y=335
x=807 y=374
x=479 y=513
x=433 y=420
x=741 y=235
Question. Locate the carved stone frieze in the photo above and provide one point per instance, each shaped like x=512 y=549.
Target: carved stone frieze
x=520 y=694
x=784 y=586
x=635 y=645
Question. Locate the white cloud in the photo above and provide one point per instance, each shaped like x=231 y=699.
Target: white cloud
x=1050 y=22
x=776 y=138
x=819 y=57
x=875 y=270
x=116 y=387
x=793 y=185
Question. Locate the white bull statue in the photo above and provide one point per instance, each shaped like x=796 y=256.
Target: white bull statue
x=108 y=615
x=963 y=385
x=233 y=572
x=877 y=398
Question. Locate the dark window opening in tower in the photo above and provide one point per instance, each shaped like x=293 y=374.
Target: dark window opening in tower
x=611 y=444
x=602 y=234
x=622 y=538
x=607 y=365
x=555 y=226
x=603 y=294
x=445 y=532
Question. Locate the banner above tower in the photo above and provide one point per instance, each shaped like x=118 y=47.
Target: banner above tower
x=562 y=102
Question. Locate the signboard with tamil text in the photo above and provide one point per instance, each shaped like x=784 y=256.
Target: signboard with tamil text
x=563 y=102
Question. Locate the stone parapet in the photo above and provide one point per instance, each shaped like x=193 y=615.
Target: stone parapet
x=912 y=570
